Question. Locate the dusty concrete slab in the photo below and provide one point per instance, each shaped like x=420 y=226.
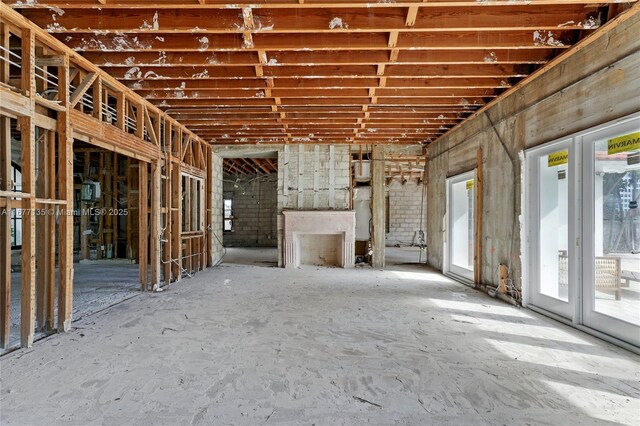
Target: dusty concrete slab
x=250 y=345
x=97 y=284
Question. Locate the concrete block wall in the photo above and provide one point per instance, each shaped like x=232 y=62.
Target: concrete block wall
x=594 y=85
x=313 y=164
x=404 y=213
x=255 y=210
x=217 y=248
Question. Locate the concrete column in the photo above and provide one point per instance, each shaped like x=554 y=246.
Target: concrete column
x=377 y=206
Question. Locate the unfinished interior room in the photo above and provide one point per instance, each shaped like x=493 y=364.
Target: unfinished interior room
x=331 y=212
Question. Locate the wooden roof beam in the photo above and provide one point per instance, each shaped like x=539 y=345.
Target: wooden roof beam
x=331 y=42
x=318 y=20
x=319 y=83
x=487 y=70
x=281 y=4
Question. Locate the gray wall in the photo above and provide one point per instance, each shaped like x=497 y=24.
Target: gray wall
x=404 y=213
x=255 y=210
x=598 y=83
x=216 y=242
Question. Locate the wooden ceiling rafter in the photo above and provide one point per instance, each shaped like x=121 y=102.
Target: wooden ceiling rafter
x=314 y=71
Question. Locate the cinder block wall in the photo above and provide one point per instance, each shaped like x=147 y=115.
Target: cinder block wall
x=596 y=84
x=217 y=248
x=404 y=213
x=255 y=210
x=312 y=177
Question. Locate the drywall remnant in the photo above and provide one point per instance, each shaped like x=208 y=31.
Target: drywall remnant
x=55 y=25
x=540 y=38
x=567 y=24
x=491 y=58
x=133 y=73
x=204 y=43
x=336 y=23
x=273 y=62
x=179 y=93
x=131 y=60
x=154 y=75
x=162 y=58
x=591 y=23
x=203 y=74
x=212 y=59
x=151 y=26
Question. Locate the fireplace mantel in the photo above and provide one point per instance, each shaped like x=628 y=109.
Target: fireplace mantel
x=301 y=225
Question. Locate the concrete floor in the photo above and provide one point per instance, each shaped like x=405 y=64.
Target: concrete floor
x=248 y=345
x=97 y=285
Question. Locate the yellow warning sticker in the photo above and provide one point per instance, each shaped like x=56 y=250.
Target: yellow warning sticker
x=557 y=158
x=630 y=142
x=469 y=184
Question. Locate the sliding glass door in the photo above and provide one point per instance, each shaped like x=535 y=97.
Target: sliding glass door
x=460 y=247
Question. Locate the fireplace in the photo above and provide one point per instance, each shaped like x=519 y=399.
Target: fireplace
x=319 y=237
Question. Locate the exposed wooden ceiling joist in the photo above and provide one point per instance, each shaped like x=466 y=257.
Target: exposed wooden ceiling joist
x=345 y=71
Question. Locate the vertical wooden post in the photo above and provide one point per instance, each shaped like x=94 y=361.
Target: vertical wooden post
x=65 y=192
x=121 y=113
x=5 y=212
x=143 y=208
x=176 y=221
x=109 y=204
x=101 y=218
x=41 y=233
x=166 y=247
x=5 y=233
x=116 y=203
x=377 y=206
x=477 y=267
x=28 y=135
x=155 y=223
x=50 y=238
x=209 y=207
x=97 y=98
x=140 y=121
x=84 y=219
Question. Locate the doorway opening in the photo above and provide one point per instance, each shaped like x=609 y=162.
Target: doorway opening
x=250 y=208
x=459 y=239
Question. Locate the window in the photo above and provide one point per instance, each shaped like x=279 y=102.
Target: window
x=16 y=214
x=228 y=214
x=192 y=203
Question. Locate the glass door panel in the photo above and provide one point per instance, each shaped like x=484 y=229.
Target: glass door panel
x=612 y=241
x=553 y=259
x=461 y=225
